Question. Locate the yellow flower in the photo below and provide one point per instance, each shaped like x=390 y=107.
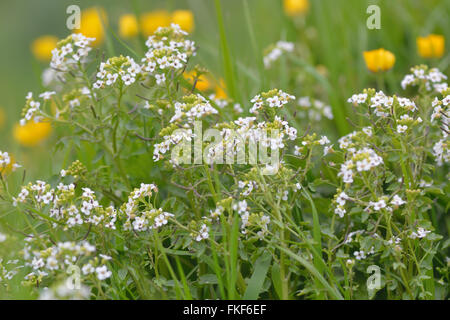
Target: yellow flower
x=431 y=46
x=91 y=24
x=379 y=60
x=295 y=7
x=42 y=47
x=128 y=26
x=32 y=133
x=2 y=118
x=150 y=21
x=185 y=19
x=203 y=83
x=220 y=90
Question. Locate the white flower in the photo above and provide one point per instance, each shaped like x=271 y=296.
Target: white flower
x=276 y=52
x=203 y=233
x=402 y=128
x=340 y=211
x=397 y=201
x=103 y=272
x=160 y=79
x=47 y=95
x=421 y=233
x=360 y=255
x=37 y=263
x=378 y=205
x=324 y=140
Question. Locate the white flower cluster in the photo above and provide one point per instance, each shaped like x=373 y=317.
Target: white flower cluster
x=8 y=269
x=314 y=109
x=405 y=122
x=381 y=103
x=272 y=99
x=340 y=199
x=5 y=161
x=70 y=52
x=217 y=212
x=65 y=207
x=355 y=139
x=139 y=220
x=247 y=187
x=192 y=109
x=244 y=211
x=441 y=112
x=276 y=51
x=361 y=255
x=248 y=220
x=432 y=79
x=160 y=149
x=271 y=135
x=421 y=233
x=167 y=50
x=123 y=68
x=364 y=159
x=202 y=234
x=31 y=110
x=441 y=151
x=61 y=256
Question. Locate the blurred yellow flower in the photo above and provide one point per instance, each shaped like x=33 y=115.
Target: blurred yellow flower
x=32 y=133
x=128 y=26
x=379 y=60
x=2 y=118
x=295 y=7
x=431 y=46
x=91 y=25
x=185 y=19
x=220 y=90
x=203 y=83
x=150 y=21
x=42 y=47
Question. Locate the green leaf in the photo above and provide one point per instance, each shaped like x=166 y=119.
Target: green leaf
x=256 y=282
x=276 y=279
x=207 y=279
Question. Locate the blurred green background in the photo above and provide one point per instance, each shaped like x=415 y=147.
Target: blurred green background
x=329 y=38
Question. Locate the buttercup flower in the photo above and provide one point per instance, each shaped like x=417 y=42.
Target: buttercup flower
x=295 y=7
x=128 y=26
x=185 y=19
x=92 y=24
x=220 y=90
x=32 y=133
x=151 y=21
x=203 y=83
x=431 y=46
x=42 y=47
x=379 y=60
